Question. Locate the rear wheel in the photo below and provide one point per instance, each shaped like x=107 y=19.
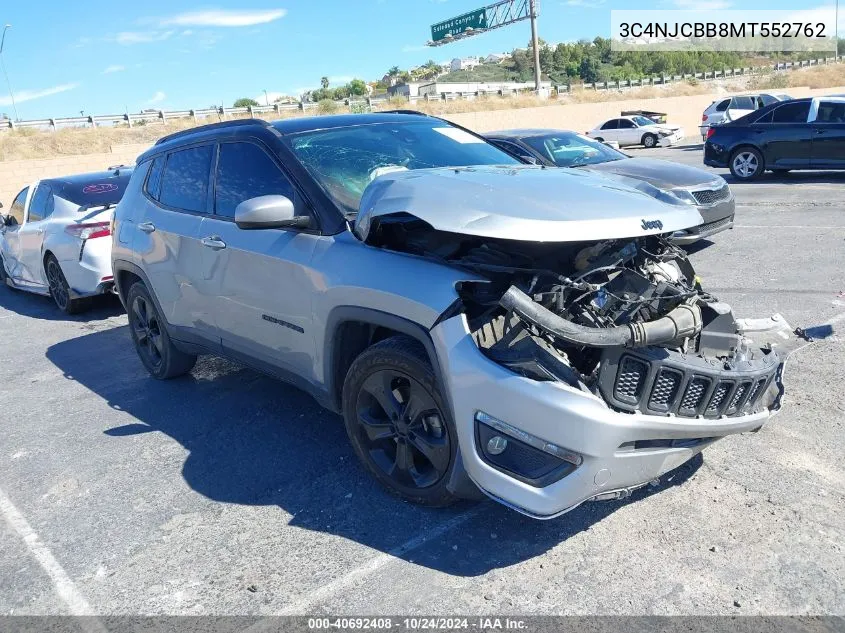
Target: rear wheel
x=153 y=344
x=59 y=289
x=649 y=140
x=398 y=423
x=600 y=139
x=747 y=164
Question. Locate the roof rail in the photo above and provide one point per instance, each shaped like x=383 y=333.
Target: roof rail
x=212 y=126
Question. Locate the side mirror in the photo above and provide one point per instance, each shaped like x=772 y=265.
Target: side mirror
x=531 y=160
x=269 y=212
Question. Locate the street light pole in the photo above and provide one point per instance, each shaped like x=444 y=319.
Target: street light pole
x=266 y=98
x=5 y=74
x=532 y=9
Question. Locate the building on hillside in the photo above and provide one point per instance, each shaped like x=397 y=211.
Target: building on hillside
x=443 y=90
x=496 y=58
x=464 y=63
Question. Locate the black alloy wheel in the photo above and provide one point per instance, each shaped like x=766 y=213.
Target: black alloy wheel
x=146 y=331
x=402 y=429
x=398 y=423
x=59 y=289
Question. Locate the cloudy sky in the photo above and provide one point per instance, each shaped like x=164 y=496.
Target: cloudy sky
x=105 y=57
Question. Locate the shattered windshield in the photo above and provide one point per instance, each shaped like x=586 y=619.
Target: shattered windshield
x=345 y=160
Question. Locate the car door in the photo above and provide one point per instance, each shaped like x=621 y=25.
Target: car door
x=629 y=133
x=31 y=235
x=168 y=244
x=785 y=136
x=10 y=243
x=609 y=131
x=828 y=134
x=257 y=280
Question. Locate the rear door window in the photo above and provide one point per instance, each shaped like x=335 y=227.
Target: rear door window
x=184 y=181
x=831 y=112
x=743 y=103
x=791 y=112
x=613 y=124
x=39 y=207
x=245 y=171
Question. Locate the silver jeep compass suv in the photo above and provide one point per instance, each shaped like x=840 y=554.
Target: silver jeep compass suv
x=480 y=324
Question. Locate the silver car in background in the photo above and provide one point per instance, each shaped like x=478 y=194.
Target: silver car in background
x=55 y=238
x=669 y=182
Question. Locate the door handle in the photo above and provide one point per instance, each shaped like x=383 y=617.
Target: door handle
x=39 y=231
x=213 y=242
x=819 y=131
x=147 y=227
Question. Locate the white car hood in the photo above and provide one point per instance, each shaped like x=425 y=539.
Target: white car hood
x=527 y=203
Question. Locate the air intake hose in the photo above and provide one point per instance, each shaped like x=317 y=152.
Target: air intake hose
x=682 y=322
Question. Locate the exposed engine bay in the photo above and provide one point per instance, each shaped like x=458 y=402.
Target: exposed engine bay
x=626 y=319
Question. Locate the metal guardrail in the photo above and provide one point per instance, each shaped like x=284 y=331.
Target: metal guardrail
x=365 y=104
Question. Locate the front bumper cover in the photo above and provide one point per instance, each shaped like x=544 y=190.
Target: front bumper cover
x=620 y=451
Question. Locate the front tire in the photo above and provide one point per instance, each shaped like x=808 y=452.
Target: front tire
x=747 y=164
x=398 y=423
x=149 y=334
x=649 y=141
x=59 y=289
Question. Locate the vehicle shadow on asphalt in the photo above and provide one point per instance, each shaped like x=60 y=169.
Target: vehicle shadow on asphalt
x=40 y=307
x=793 y=178
x=255 y=441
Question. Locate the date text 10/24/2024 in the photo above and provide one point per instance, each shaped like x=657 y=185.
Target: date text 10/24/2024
x=418 y=624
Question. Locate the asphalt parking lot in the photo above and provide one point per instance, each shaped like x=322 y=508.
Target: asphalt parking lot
x=229 y=493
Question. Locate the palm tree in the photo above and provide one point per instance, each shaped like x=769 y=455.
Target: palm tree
x=324 y=82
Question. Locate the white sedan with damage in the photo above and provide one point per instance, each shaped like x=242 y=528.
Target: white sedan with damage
x=55 y=238
x=637 y=130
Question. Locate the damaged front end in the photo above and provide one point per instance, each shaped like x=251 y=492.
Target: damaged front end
x=625 y=319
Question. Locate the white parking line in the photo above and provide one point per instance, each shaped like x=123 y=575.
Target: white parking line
x=66 y=590
x=328 y=590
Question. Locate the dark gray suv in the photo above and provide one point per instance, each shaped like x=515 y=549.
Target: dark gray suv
x=479 y=323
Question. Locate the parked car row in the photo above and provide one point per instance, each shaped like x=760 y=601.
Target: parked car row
x=796 y=134
x=483 y=325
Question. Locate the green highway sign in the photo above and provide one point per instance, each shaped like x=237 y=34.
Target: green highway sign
x=473 y=20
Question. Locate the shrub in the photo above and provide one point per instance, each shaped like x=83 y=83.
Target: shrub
x=327 y=106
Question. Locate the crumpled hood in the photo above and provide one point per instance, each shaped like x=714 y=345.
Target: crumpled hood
x=660 y=173
x=526 y=203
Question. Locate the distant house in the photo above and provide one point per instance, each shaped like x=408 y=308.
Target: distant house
x=440 y=89
x=496 y=58
x=465 y=63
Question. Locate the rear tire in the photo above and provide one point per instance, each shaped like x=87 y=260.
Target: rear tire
x=398 y=423
x=59 y=289
x=747 y=164
x=649 y=140
x=149 y=334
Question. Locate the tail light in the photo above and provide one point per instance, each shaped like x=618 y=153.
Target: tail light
x=90 y=230
x=703 y=117
x=711 y=132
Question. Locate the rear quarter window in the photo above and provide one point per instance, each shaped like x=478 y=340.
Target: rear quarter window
x=184 y=181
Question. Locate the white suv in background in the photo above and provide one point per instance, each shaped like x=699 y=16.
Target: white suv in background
x=739 y=105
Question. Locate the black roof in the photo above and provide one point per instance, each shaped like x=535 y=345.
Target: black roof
x=99 y=187
x=284 y=126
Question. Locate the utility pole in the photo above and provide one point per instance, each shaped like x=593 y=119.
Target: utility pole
x=5 y=74
x=836 y=31
x=532 y=4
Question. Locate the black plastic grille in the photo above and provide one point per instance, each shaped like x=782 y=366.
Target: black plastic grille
x=694 y=395
x=630 y=379
x=712 y=226
x=665 y=389
x=712 y=196
x=738 y=397
x=756 y=390
x=719 y=398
